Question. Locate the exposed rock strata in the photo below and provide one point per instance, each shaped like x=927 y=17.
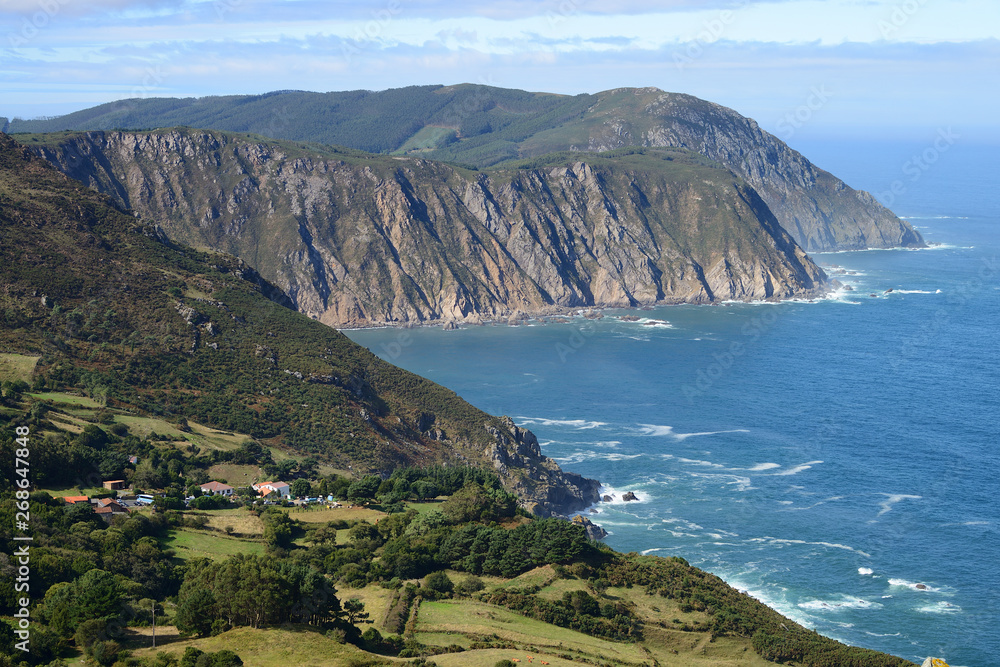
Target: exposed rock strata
x=375 y=240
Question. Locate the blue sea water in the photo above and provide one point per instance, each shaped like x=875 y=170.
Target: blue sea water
x=837 y=459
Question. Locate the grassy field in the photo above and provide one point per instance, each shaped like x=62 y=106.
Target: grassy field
x=424 y=507
x=235 y=474
x=68 y=399
x=243 y=522
x=490 y=657
x=555 y=590
x=376 y=600
x=16 y=367
x=476 y=618
x=190 y=543
x=320 y=514
x=298 y=646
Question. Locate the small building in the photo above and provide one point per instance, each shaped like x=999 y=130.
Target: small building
x=114 y=484
x=112 y=505
x=266 y=488
x=73 y=500
x=216 y=489
x=108 y=509
x=134 y=460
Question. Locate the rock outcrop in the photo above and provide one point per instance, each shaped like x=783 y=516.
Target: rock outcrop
x=594 y=531
x=819 y=210
x=541 y=485
x=355 y=239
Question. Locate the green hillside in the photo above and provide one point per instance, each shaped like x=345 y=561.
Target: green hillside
x=137 y=323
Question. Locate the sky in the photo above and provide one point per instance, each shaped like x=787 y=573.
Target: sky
x=806 y=70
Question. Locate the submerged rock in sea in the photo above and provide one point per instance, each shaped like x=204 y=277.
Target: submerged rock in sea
x=629 y=496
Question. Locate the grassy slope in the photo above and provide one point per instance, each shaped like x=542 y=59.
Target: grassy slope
x=17 y=367
x=113 y=319
x=298 y=646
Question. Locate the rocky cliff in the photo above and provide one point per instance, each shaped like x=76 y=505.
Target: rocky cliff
x=483 y=126
x=819 y=210
x=356 y=239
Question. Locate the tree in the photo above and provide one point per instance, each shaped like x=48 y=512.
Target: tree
x=355 y=611
x=196 y=611
x=96 y=594
x=440 y=583
x=301 y=488
x=226 y=658
x=365 y=488
x=146 y=476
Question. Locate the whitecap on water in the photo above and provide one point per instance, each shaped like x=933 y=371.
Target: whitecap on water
x=892 y=499
x=841 y=603
x=940 y=608
x=865 y=571
x=833 y=545
x=579 y=424
x=759 y=467
x=664 y=430
x=797 y=469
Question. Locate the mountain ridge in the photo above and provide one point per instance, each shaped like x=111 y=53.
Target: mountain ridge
x=483 y=126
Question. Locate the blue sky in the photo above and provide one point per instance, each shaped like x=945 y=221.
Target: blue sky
x=804 y=69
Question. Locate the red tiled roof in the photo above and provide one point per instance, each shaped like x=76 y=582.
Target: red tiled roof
x=76 y=499
x=215 y=486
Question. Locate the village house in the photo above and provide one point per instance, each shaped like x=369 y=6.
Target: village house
x=266 y=488
x=216 y=489
x=72 y=500
x=114 y=484
x=107 y=509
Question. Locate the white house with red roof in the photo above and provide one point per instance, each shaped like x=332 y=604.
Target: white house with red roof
x=267 y=488
x=216 y=489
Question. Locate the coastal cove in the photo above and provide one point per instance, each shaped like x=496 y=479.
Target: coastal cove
x=835 y=459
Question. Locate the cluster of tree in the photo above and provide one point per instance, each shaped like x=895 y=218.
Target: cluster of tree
x=255 y=591
x=577 y=610
x=88 y=578
x=482 y=549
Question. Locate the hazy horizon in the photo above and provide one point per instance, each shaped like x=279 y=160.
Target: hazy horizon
x=802 y=68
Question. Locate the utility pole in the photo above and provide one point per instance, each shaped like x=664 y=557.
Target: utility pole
x=154 y=623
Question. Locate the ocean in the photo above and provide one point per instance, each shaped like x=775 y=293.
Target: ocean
x=835 y=459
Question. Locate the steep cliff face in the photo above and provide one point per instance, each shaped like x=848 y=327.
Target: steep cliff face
x=356 y=239
x=484 y=126
x=819 y=210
